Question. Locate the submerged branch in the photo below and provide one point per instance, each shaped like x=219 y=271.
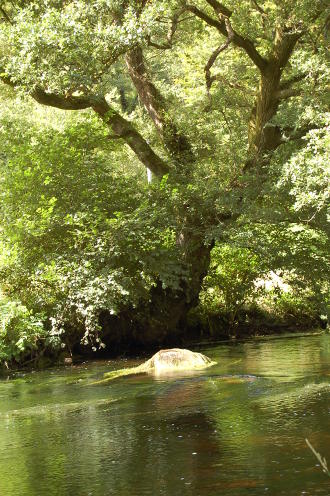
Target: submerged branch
x=322 y=461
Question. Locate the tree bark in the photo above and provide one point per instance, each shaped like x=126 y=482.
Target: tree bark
x=176 y=142
x=263 y=136
x=167 y=310
x=124 y=129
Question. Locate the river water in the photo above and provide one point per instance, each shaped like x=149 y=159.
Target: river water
x=237 y=428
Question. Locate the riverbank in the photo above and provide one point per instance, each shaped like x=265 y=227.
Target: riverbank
x=82 y=354
x=27 y=340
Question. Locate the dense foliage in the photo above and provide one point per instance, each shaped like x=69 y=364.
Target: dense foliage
x=226 y=108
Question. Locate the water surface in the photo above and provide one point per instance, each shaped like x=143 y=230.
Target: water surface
x=234 y=429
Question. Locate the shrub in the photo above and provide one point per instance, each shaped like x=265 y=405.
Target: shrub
x=23 y=335
x=230 y=281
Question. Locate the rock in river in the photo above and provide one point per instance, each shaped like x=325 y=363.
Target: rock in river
x=165 y=361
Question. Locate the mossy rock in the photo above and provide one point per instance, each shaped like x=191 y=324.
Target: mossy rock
x=165 y=361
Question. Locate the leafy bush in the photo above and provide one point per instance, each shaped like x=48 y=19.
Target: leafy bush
x=230 y=281
x=235 y=299
x=23 y=335
x=299 y=307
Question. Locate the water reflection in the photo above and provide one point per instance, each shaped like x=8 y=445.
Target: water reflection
x=234 y=429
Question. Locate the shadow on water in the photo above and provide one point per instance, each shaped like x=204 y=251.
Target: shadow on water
x=234 y=429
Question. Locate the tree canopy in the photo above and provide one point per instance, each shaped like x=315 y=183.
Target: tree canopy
x=225 y=104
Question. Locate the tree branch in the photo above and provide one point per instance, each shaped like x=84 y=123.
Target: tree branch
x=287 y=93
x=120 y=126
x=219 y=8
x=284 y=44
x=176 y=142
x=296 y=134
x=289 y=82
x=238 y=40
x=61 y=101
x=6 y=16
x=171 y=32
x=164 y=46
x=258 y=8
x=124 y=129
x=51 y=99
x=202 y=15
x=215 y=54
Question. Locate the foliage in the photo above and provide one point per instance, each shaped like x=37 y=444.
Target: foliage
x=241 y=289
x=230 y=280
x=79 y=236
x=307 y=176
x=228 y=108
x=22 y=333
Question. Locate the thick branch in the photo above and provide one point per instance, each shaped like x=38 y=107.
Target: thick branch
x=205 y=17
x=124 y=129
x=120 y=127
x=215 y=54
x=5 y=15
x=238 y=40
x=284 y=44
x=295 y=79
x=290 y=134
x=50 y=99
x=61 y=101
x=176 y=143
x=287 y=93
x=219 y=8
x=264 y=136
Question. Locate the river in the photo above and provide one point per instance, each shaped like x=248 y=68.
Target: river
x=236 y=428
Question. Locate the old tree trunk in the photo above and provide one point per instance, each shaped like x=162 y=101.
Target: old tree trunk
x=162 y=319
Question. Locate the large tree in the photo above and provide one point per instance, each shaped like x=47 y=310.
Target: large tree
x=258 y=80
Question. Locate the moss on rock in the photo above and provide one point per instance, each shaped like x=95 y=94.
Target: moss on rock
x=165 y=361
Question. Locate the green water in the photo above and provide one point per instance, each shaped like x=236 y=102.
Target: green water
x=237 y=428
